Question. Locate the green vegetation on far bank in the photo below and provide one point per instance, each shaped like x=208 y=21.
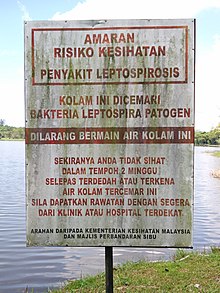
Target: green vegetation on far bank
x=189 y=272
x=10 y=132
x=216 y=154
x=208 y=138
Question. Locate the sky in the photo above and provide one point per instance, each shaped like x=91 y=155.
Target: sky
x=13 y=13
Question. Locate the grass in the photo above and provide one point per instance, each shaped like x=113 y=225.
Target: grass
x=188 y=272
x=216 y=154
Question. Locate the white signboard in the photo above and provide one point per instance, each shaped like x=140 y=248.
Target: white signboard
x=109 y=132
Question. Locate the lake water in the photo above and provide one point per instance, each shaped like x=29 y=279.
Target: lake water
x=43 y=268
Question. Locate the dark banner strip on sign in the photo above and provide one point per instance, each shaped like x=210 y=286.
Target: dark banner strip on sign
x=109 y=135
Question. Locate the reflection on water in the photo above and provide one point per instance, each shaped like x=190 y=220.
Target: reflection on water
x=43 y=268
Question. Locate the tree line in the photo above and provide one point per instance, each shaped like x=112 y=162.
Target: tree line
x=208 y=138
x=10 y=132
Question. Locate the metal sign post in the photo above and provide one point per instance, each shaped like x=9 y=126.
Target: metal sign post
x=109 y=269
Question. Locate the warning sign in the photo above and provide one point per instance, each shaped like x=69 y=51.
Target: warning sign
x=109 y=132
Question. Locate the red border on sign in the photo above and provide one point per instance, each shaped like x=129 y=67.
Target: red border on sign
x=34 y=82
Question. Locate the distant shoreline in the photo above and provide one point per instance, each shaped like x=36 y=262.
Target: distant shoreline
x=13 y=139
x=23 y=139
